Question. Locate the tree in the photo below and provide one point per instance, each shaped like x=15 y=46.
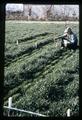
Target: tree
x=48 y=11
x=27 y=11
x=74 y=15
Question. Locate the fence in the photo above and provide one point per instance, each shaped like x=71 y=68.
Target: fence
x=10 y=109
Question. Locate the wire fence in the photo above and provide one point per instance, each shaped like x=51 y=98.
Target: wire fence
x=11 y=111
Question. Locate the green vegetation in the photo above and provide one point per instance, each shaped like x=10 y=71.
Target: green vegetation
x=39 y=75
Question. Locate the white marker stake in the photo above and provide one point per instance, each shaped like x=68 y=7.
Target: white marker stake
x=36 y=45
x=68 y=113
x=9 y=105
x=17 y=42
x=10 y=102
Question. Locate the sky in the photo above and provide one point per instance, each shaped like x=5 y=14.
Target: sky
x=19 y=7
x=14 y=7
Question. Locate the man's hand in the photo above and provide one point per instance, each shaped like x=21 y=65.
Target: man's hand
x=65 y=34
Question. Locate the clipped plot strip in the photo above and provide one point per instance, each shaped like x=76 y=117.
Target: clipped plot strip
x=29 y=50
x=32 y=37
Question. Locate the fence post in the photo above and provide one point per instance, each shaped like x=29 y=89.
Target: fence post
x=9 y=105
x=68 y=113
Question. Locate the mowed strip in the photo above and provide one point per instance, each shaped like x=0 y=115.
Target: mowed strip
x=55 y=22
x=29 y=58
x=25 y=51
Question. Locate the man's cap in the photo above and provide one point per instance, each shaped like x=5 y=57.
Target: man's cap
x=68 y=30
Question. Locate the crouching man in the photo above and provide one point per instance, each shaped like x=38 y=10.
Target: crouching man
x=69 y=40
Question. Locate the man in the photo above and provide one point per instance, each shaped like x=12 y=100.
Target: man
x=69 y=40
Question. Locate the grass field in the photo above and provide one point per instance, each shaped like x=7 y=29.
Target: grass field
x=39 y=75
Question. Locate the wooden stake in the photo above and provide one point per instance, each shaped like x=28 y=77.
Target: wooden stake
x=68 y=113
x=17 y=42
x=9 y=105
